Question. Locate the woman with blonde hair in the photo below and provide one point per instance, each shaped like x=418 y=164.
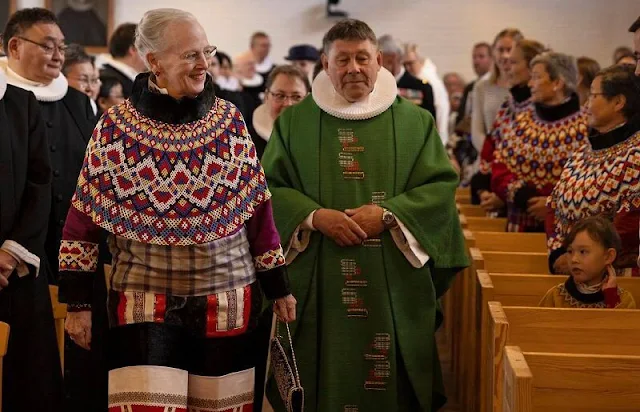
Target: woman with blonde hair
x=490 y=93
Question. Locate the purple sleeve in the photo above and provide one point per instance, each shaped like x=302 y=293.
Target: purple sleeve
x=268 y=257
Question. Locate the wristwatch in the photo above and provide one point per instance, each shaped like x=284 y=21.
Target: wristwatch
x=389 y=219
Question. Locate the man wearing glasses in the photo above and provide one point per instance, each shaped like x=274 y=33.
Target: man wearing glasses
x=35 y=48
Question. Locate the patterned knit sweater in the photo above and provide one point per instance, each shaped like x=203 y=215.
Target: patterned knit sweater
x=567 y=295
x=172 y=177
x=601 y=179
x=528 y=162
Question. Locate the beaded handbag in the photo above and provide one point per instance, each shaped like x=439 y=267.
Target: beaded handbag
x=287 y=378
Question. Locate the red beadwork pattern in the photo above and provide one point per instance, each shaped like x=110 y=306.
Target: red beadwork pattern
x=171 y=184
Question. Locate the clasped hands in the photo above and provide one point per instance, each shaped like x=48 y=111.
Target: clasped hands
x=351 y=227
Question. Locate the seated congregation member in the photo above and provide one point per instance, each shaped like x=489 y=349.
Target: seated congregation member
x=592 y=247
x=409 y=87
x=363 y=196
x=32 y=379
x=79 y=68
x=425 y=70
x=545 y=134
x=489 y=93
x=215 y=71
x=304 y=57
x=519 y=98
x=225 y=79
x=286 y=86
x=603 y=178
x=189 y=222
x=587 y=70
x=110 y=93
x=123 y=62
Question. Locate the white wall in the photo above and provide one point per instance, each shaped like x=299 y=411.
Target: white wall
x=445 y=30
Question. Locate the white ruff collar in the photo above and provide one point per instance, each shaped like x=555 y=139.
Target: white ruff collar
x=255 y=81
x=262 y=122
x=3 y=84
x=228 y=83
x=265 y=66
x=52 y=92
x=381 y=98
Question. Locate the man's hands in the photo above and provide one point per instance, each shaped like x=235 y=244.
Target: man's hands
x=339 y=227
x=369 y=218
x=351 y=227
x=7 y=266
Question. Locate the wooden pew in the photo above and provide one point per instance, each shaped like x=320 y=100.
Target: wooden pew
x=584 y=331
x=4 y=343
x=486 y=224
x=516 y=290
x=59 y=315
x=463 y=195
x=509 y=242
x=562 y=382
x=471 y=210
x=465 y=332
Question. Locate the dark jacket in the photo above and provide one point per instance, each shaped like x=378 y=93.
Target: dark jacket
x=110 y=71
x=417 y=91
x=69 y=123
x=32 y=376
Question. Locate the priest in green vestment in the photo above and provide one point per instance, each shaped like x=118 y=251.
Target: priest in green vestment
x=363 y=197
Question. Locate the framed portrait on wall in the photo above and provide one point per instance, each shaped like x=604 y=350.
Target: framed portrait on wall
x=6 y=10
x=85 y=22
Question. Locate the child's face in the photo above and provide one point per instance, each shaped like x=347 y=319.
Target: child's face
x=588 y=259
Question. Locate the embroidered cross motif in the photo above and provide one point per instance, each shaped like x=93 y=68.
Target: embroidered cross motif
x=353 y=279
x=346 y=158
x=379 y=374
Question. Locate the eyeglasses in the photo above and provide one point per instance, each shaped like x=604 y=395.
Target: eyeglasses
x=86 y=81
x=207 y=52
x=50 y=48
x=281 y=97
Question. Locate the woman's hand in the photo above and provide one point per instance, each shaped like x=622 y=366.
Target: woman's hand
x=490 y=201
x=78 y=326
x=610 y=281
x=285 y=308
x=537 y=207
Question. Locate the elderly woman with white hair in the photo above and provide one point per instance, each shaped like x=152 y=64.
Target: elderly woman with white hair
x=530 y=157
x=172 y=177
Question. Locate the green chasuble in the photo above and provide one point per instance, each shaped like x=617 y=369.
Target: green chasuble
x=364 y=339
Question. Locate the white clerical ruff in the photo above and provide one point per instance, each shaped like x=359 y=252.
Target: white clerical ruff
x=380 y=99
x=262 y=122
x=51 y=92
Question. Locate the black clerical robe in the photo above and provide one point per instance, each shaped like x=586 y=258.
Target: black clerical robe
x=32 y=379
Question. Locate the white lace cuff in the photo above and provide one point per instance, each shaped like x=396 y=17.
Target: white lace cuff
x=23 y=256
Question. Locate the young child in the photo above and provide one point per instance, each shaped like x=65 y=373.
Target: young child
x=592 y=247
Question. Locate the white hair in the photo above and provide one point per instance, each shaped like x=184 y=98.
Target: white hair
x=388 y=45
x=150 y=33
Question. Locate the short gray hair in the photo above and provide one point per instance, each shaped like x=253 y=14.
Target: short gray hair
x=559 y=66
x=150 y=33
x=348 y=29
x=388 y=45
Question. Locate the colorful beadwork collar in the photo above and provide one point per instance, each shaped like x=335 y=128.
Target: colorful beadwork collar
x=381 y=98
